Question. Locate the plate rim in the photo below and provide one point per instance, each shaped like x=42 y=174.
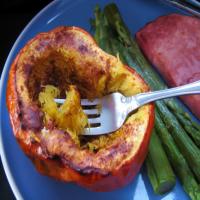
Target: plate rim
x=3 y=157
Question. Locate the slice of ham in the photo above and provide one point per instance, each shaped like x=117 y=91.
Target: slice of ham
x=172 y=45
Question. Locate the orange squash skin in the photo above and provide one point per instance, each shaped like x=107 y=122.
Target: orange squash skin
x=93 y=179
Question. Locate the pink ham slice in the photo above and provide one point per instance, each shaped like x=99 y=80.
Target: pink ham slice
x=172 y=45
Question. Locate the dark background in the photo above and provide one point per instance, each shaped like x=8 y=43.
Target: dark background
x=14 y=16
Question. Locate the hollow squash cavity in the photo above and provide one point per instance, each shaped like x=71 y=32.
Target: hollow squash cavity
x=55 y=77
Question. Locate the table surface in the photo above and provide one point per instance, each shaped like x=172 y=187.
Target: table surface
x=14 y=16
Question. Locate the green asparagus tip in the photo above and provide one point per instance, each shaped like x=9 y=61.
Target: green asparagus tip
x=97 y=8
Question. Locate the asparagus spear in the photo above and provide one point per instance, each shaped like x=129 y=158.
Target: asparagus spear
x=96 y=22
x=177 y=160
x=155 y=82
x=192 y=128
x=187 y=146
x=159 y=170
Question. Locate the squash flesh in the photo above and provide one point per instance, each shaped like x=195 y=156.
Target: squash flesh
x=69 y=116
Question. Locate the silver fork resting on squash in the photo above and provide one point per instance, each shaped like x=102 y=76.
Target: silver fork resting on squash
x=108 y=114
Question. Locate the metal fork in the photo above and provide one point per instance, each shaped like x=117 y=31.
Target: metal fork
x=108 y=114
x=191 y=6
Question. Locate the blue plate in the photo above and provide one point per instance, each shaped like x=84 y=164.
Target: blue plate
x=25 y=181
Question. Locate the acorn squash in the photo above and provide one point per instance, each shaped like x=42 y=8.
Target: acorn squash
x=67 y=63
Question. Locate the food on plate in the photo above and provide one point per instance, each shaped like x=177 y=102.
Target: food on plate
x=172 y=43
x=67 y=63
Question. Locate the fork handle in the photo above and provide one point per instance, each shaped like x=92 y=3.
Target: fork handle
x=192 y=88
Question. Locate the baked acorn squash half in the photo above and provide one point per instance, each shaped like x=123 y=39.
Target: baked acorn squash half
x=67 y=63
